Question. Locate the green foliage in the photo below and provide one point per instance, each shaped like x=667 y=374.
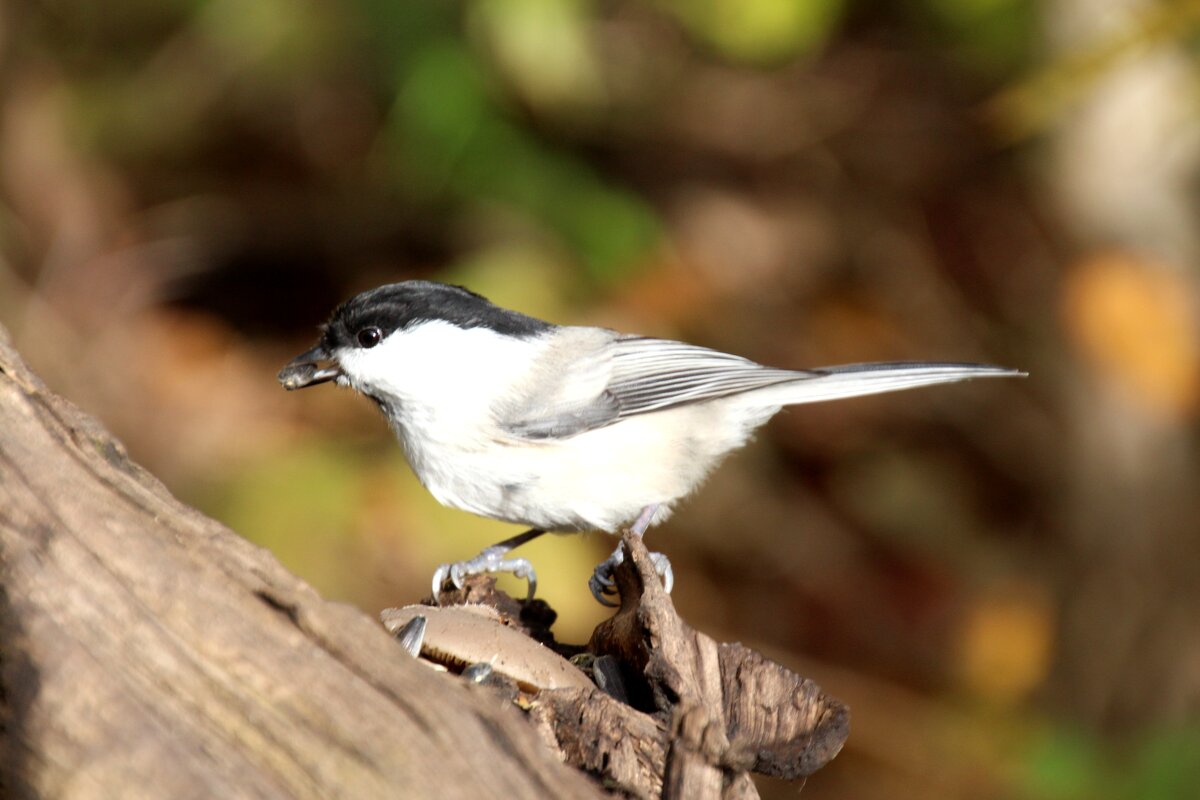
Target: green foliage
x=450 y=135
x=1160 y=765
x=993 y=37
x=759 y=31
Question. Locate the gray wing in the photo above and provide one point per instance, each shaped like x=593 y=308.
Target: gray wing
x=589 y=378
x=627 y=375
x=653 y=374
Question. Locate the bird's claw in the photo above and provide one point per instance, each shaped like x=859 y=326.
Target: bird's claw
x=490 y=560
x=662 y=565
x=603 y=586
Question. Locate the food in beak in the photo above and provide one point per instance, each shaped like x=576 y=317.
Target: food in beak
x=305 y=370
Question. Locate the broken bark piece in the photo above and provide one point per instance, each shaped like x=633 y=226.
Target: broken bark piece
x=699 y=716
x=458 y=636
x=730 y=710
x=625 y=749
x=788 y=725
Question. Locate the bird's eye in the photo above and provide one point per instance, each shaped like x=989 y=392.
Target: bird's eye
x=369 y=337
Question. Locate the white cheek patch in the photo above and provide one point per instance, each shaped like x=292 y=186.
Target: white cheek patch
x=435 y=362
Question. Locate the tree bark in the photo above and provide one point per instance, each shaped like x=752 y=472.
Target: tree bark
x=148 y=651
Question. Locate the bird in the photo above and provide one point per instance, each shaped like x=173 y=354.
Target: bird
x=562 y=428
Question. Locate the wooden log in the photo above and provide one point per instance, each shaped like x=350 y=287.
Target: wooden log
x=147 y=651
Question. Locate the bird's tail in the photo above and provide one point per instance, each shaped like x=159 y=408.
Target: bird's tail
x=853 y=380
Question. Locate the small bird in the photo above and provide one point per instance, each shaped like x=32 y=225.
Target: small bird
x=561 y=428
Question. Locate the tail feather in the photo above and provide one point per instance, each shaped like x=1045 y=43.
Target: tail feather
x=855 y=380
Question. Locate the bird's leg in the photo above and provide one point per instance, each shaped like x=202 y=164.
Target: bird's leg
x=491 y=560
x=643 y=520
x=601 y=583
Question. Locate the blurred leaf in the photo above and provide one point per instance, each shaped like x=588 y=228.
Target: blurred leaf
x=525 y=277
x=1069 y=765
x=1037 y=102
x=276 y=32
x=168 y=102
x=451 y=137
x=760 y=31
x=1063 y=766
x=544 y=49
x=1165 y=767
x=397 y=30
x=1136 y=322
x=1005 y=645
x=991 y=35
x=440 y=110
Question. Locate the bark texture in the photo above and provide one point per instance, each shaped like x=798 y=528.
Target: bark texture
x=147 y=651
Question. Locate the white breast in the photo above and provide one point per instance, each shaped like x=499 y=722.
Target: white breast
x=442 y=384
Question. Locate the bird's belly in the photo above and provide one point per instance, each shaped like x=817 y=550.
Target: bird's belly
x=489 y=479
x=598 y=480
x=525 y=488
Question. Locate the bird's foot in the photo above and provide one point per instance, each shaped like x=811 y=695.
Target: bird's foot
x=490 y=560
x=603 y=586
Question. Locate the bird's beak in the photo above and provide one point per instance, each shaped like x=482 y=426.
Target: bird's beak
x=306 y=369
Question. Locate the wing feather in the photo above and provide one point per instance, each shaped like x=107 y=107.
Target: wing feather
x=653 y=374
x=592 y=378
x=642 y=375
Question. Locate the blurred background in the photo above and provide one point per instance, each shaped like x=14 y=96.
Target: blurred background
x=1002 y=579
